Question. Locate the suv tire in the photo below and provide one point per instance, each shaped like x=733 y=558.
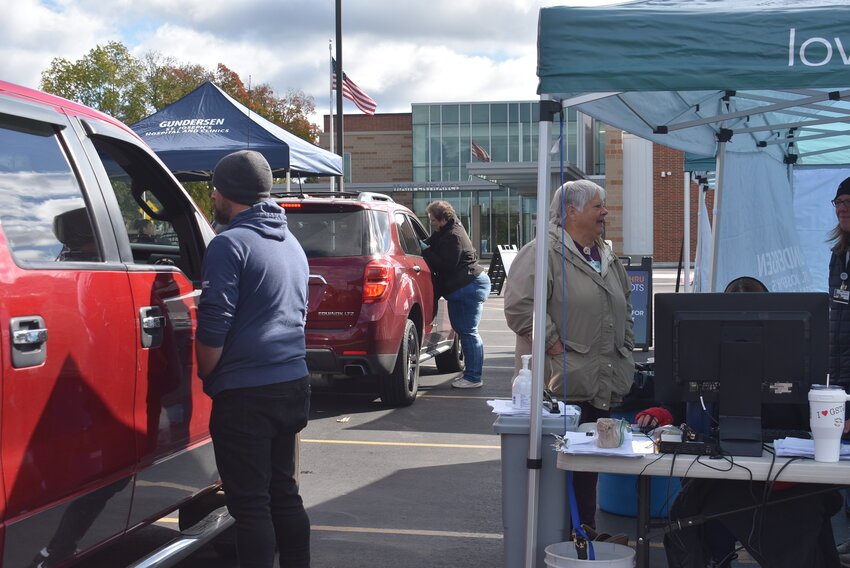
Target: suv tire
x=399 y=388
x=452 y=360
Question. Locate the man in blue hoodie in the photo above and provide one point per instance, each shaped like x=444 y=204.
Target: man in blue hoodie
x=251 y=357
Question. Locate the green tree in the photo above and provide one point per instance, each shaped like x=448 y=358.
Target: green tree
x=111 y=80
x=107 y=78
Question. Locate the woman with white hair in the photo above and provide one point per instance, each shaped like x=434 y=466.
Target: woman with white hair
x=589 y=336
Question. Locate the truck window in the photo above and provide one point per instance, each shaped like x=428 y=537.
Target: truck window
x=159 y=222
x=42 y=210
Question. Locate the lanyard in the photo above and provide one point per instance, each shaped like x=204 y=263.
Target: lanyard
x=843 y=275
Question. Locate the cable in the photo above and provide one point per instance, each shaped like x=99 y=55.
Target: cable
x=562 y=214
x=576 y=519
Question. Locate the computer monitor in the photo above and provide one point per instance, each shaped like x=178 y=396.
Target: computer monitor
x=740 y=350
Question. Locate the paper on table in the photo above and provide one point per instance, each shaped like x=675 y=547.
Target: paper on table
x=799 y=447
x=506 y=408
x=579 y=443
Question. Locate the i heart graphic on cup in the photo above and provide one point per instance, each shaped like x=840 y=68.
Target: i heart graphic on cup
x=826 y=404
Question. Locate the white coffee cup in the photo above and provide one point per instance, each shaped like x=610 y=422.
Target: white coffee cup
x=826 y=419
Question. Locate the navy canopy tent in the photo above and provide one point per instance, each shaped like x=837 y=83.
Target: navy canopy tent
x=192 y=134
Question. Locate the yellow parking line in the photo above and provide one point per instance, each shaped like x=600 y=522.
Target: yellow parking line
x=410 y=444
x=368 y=530
x=494 y=536
x=414 y=532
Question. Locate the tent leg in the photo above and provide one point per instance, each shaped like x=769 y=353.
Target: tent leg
x=687 y=226
x=538 y=345
x=715 y=226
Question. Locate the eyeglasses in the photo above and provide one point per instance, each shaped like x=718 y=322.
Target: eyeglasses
x=841 y=203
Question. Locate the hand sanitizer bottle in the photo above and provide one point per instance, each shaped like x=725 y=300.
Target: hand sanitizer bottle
x=521 y=390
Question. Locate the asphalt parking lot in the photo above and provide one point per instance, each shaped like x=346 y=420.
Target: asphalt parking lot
x=411 y=487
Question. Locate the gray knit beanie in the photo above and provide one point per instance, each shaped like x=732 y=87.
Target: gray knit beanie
x=244 y=177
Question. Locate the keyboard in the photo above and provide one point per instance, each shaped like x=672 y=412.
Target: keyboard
x=768 y=435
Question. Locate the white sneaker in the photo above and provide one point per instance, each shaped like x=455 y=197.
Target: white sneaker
x=465 y=384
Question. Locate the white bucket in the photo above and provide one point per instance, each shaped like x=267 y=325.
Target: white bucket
x=563 y=555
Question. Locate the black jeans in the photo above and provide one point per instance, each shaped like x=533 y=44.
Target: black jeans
x=254 y=435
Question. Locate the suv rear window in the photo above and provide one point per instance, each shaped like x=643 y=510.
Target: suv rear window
x=353 y=232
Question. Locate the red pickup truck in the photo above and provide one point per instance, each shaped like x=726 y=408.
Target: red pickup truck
x=104 y=424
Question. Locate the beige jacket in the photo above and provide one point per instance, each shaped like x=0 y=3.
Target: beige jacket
x=597 y=328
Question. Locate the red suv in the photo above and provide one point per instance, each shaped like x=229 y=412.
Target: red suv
x=104 y=422
x=372 y=311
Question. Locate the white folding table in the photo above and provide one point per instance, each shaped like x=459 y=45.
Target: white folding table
x=762 y=468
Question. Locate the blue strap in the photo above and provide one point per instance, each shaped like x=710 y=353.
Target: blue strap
x=570 y=488
x=576 y=520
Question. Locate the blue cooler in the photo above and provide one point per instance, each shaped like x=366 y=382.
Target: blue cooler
x=617 y=492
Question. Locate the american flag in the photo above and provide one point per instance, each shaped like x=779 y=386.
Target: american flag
x=479 y=152
x=353 y=93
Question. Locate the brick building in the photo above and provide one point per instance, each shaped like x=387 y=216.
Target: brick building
x=417 y=159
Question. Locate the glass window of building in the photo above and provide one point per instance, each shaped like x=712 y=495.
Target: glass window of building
x=599 y=148
x=449 y=114
x=481 y=113
x=443 y=135
x=420 y=114
x=463 y=114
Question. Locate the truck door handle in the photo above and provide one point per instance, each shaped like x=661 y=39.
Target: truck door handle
x=152 y=323
x=29 y=337
x=29 y=341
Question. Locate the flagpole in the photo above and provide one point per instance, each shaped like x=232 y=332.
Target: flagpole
x=339 y=76
x=331 y=105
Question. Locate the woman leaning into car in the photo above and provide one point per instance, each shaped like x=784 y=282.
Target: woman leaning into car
x=462 y=282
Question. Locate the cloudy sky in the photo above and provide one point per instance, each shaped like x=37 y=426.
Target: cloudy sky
x=398 y=51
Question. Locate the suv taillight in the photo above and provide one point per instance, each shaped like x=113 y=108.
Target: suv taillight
x=377 y=279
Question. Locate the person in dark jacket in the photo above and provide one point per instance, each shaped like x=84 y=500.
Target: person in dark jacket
x=839 y=313
x=462 y=282
x=839 y=289
x=251 y=357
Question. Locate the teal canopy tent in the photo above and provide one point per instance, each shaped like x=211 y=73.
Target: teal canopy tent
x=760 y=85
x=679 y=71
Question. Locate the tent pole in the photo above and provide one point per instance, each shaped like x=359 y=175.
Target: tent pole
x=715 y=225
x=687 y=226
x=331 y=109
x=538 y=344
x=340 y=73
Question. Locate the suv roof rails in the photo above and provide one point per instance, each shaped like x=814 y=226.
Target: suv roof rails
x=359 y=196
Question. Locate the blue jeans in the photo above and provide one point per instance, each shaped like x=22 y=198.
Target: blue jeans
x=254 y=435
x=465 y=308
